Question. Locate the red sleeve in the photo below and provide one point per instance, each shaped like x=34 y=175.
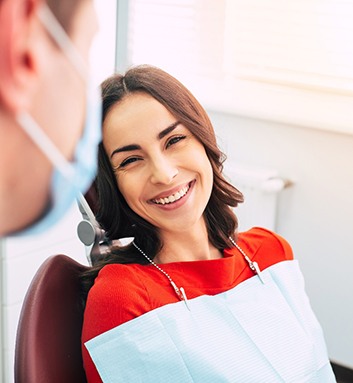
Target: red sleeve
x=119 y=293
x=272 y=249
x=109 y=305
x=265 y=247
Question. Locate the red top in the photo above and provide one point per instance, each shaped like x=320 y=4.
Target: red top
x=123 y=292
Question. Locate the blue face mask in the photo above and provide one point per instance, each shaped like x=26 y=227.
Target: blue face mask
x=69 y=179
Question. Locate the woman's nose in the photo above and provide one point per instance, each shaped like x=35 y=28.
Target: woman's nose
x=163 y=171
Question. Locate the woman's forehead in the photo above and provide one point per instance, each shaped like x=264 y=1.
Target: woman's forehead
x=137 y=116
x=136 y=108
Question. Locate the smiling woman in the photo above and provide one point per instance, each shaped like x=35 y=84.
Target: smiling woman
x=158 y=160
x=189 y=291
x=158 y=123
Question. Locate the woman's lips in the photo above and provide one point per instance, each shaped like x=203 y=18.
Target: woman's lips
x=174 y=196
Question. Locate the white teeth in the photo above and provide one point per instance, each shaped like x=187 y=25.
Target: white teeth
x=172 y=198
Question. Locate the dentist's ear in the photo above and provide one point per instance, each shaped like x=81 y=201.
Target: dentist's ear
x=18 y=69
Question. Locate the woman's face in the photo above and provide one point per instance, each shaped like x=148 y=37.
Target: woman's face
x=161 y=169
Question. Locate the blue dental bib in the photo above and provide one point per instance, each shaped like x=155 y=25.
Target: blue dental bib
x=252 y=333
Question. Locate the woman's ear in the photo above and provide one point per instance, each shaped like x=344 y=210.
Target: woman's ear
x=19 y=75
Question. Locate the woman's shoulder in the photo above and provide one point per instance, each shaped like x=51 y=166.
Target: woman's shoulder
x=117 y=296
x=265 y=246
x=117 y=282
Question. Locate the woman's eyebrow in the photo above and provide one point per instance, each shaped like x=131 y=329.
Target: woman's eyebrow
x=166 y=131
x=127 y=148
x=132 y=147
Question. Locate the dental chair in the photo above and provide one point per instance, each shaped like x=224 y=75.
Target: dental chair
x=48 y=341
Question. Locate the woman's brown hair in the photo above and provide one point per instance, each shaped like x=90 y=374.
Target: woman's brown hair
x=114 y=215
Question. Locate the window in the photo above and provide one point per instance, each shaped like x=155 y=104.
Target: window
x=289 y=61
x=102 y=58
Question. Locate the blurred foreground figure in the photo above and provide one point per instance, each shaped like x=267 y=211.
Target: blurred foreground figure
x=49 y=114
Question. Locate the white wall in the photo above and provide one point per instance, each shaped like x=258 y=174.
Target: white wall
x=315 y=215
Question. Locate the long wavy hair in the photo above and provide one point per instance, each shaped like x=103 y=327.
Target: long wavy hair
x=113 y=213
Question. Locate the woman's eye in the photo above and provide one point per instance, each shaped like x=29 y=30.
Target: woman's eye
x=128 y=161
x=175 y=140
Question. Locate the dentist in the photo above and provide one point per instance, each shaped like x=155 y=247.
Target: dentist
x=49 y=112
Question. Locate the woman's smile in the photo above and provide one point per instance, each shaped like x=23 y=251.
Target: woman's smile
x=174 y=200
x=162 y=170
x=172 y=196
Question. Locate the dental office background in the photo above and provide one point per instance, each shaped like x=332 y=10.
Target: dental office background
x=276 y=78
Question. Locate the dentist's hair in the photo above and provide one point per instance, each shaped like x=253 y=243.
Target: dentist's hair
x=114 y=214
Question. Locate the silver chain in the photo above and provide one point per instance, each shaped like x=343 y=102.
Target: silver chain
x=253 y=265
x=180 y=292
x=242 y=252
x=154 y=264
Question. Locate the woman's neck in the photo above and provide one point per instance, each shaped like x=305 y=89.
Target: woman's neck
x=189 y=245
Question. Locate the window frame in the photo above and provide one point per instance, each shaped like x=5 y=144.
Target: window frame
x=303 y=105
